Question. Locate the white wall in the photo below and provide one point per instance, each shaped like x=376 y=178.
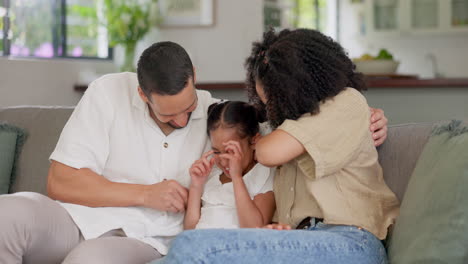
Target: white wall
x=410 y=105
x=45 y=82
x=449 y=49
x=218 y=53
x=406 y=105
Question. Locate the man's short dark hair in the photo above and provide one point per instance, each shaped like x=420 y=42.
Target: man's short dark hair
x=164 y=68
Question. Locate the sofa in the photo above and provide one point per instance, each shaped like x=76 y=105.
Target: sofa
x=43 y=126
x=398 y=155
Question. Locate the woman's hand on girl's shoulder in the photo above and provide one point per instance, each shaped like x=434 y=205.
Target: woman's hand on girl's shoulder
x=201 y=169
x=278 y=226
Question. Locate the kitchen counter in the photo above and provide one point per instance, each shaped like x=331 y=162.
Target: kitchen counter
x=371 y=83
x=417 y=83
x=404 y=100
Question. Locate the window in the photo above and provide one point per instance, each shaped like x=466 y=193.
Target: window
x=314 y=14
x=54 y=29
x=3 y=18
x=309 y=14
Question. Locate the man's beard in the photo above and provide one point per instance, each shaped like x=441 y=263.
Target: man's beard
x=179 y=127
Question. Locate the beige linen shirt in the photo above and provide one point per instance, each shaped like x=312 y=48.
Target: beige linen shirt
x=339 y=177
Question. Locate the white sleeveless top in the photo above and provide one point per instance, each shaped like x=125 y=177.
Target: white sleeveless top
x=218 y=200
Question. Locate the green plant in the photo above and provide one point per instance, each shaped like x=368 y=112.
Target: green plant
x=306 y=15
x=127 y=22
x=384 y=55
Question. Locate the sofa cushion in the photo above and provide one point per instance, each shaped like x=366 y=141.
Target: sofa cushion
x=43 y=125
x=11 y=141
x=433 y=222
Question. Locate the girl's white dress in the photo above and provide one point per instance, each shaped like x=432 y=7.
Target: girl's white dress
x=218 y=201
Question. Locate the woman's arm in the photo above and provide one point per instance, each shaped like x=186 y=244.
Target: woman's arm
x=278 y=148
x=253 y=213
x=192 y=215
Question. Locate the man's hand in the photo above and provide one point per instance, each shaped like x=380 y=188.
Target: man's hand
x=278 y=226
x=167 y=195
x=378 y=126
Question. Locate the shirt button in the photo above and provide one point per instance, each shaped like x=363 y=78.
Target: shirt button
x=166 y=145
x=287 y=215
x=292 y=189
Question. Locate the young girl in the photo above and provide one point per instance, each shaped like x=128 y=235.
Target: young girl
x=229 y=189
x=329 y=183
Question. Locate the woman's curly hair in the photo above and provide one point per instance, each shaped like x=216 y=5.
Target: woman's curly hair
x=298 y=69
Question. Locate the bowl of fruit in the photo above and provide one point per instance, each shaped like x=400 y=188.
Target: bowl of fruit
x=382 y=64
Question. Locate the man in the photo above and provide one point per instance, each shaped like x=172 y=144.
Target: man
x=120 y=169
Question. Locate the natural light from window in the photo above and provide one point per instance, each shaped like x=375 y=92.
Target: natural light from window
x=54 y=29
x=313 y=14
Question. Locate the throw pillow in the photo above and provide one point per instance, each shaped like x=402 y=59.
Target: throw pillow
x=11 y=141
x=433 y=222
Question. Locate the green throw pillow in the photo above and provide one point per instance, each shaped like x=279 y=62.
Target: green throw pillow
x=11 y=141
x=433 y=222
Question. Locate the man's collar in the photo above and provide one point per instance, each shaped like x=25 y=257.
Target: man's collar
x=137 y=101
x=198 y=112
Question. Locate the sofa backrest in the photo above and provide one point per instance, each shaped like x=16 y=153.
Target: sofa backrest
x=398 y=155
x=400 y=152
x=43 y=125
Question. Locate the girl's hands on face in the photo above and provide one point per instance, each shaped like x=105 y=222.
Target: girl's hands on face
x=233 y=155
x=201 y=169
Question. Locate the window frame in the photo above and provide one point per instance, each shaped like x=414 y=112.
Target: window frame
x=58 y=41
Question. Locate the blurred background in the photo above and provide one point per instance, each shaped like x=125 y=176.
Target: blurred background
x=414 y=52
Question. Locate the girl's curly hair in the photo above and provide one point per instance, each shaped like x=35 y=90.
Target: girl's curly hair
x=298 y=69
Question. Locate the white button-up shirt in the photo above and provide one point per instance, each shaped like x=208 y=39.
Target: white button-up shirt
x=111 y=132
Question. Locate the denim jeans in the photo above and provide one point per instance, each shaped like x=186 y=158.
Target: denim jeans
x=320 y=243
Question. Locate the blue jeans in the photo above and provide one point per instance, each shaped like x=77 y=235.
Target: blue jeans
x=320 y=243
